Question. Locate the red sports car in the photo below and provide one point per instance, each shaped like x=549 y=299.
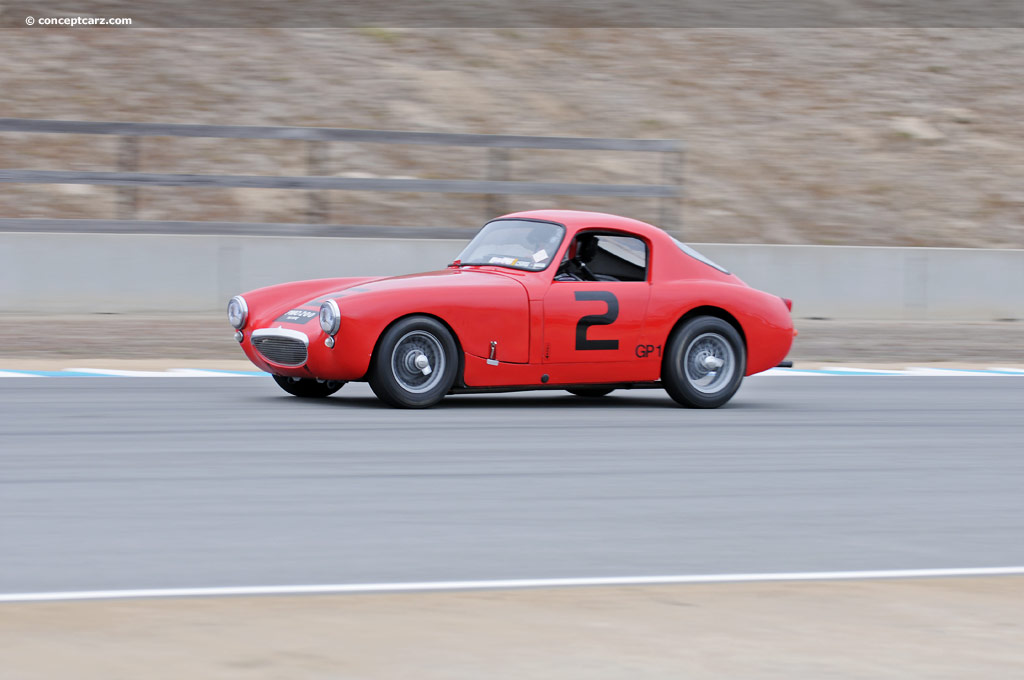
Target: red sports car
x=548 y=299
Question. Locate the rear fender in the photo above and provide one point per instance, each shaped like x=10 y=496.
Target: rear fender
x=762 y=319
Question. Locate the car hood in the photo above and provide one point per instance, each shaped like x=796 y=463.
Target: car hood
x=370 y=301
x=445 y=278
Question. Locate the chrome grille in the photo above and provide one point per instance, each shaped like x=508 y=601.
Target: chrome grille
x=286 y=351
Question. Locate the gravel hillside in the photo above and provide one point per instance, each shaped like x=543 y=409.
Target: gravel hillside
x=870 y=137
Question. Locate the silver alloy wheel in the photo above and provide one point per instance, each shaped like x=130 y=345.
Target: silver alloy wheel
x=709 y=363
x=418 y=362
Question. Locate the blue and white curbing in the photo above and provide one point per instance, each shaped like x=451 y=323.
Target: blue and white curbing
x=911 y=371
x=117 y=373
x=915 y=371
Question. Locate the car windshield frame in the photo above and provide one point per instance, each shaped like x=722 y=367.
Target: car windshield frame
x=526 y=264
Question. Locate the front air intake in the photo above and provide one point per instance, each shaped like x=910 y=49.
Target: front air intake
x=281 y=346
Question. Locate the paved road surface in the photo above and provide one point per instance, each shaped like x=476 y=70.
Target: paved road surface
x=181 y=482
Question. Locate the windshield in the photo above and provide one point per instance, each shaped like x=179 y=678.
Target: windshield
x=519 y=244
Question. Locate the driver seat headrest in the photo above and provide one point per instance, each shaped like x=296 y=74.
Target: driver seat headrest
x=586 y=250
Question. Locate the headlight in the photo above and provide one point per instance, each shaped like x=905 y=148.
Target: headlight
x=330 y=317
x=238 y=312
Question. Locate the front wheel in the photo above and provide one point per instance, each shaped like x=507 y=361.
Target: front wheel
x=416 y=363
x=704 y=363
x=307 y=387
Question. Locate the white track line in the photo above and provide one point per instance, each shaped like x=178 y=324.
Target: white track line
x=865 y=371
x=510 y=584
x=169 y=373
x=788 y=372
x=951 y=372
x=116 y=373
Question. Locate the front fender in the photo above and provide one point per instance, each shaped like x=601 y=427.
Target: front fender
x=479 y=309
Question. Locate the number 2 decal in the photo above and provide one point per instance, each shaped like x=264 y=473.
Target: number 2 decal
x=582 y=343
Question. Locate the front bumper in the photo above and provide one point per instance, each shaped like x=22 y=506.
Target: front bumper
x=294 y=353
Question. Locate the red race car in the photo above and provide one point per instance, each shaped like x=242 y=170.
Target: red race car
x=548 y=299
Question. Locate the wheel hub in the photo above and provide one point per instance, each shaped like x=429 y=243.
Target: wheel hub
x=416 y=360
x=712 y=363
x=421 y=363
x=709 y=363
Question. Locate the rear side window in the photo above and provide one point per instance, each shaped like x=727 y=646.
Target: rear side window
x=697 y=256
x=623 y=257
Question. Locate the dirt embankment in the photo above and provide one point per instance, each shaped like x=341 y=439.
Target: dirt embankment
x=939 y=628
x=871 y=137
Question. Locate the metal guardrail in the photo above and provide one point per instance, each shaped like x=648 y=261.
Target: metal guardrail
x=129 y=178
x=444 y=186
x=334 y=135
x=181 y=227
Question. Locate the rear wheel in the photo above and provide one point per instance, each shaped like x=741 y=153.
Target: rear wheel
x=307 y=387
x=704 y=363
x=590 y=392
x=416 y=363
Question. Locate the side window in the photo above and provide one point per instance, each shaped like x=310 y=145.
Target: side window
x=604 y=257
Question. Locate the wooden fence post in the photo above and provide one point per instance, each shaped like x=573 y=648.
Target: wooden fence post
x=497 y=171
x=670 y=212
x=318 y=211
x=128 y=161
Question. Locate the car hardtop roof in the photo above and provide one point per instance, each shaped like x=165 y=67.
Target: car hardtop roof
x=574 y=220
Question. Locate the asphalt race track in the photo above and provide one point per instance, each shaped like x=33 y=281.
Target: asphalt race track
x=118 y=483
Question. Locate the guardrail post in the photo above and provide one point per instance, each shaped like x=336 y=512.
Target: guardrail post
x=670 y=209
x=128 y=161
x=318 y=211
x=497 y=171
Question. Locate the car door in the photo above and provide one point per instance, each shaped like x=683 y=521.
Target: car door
x=599 y=320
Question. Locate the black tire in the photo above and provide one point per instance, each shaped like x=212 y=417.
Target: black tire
x=307 y=388
x=685 y=372
x=590 y=392
x=397 y=376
